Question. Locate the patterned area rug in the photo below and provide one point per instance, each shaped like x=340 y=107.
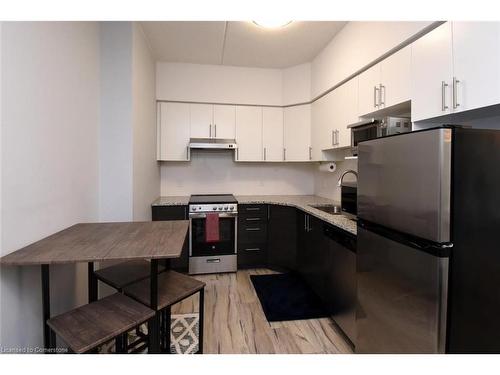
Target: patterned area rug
x=183 y=335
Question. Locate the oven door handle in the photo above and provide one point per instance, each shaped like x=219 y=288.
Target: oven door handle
x=193 y=215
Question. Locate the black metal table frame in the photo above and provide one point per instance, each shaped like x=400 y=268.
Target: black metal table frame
x=49 y=338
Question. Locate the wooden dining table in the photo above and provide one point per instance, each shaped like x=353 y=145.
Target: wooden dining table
x=99 y=242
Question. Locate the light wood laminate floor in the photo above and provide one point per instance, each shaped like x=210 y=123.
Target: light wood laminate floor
x=235 y=322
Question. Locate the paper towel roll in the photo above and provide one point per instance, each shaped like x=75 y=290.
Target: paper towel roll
x=328 y=167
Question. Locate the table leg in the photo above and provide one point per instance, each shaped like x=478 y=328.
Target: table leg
x=154 y=326
x=201 y=318
x=92 y=283
x=49 y=339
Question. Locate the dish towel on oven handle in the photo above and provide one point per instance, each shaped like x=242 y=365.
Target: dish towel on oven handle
x=212 y=227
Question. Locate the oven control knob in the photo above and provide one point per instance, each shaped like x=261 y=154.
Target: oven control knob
x=225 y=208
x=215 y=208
x=194 y=208
x=231 y=208
x=220 y=208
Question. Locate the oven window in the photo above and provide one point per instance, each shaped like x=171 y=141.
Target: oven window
x=225 y=245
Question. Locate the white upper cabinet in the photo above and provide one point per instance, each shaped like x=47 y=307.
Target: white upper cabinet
x=432 y=73
x=272 y=133
x=249 y=133
x=385 y=84
x=212 y=121
x=455 y=68
x=201 y=120
x=173 y=131
x=224 y=122
x=345 y=112
x=369 y=91
x=297 y=133
x=395 y=78
x=476 y=65
x=320 y=129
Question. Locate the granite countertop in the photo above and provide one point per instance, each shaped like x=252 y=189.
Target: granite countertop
x=301 y=202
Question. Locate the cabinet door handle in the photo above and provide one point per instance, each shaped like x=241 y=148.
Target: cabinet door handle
x=337 y=137
x=253 y=249
x=305 y=222
x=444 y=85
x=210 y=131
x=264 y=153
x=215 y=131
x=455 y=93
x=375 y=95
x=380 y=101
x=310 y=153
x=252 y=219
x=187 y=152
x=252 y=209
x=252 y=229
x=333 y=137
x=284 y=153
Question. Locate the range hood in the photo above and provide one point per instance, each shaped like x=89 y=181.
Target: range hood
x=212 y=143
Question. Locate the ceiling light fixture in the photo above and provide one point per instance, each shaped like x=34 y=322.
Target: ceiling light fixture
x=272 y=23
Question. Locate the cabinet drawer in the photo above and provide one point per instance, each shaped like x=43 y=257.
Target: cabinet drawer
x=253 y=210
x=252 y=255
x=252 y=233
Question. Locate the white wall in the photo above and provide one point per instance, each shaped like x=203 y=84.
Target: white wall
x=354 y=47
x=325 y=183
x=116 y=166
x=216 y=172
x=49 y=160
x=146 y=170
x=297 y=84
x=217 y=83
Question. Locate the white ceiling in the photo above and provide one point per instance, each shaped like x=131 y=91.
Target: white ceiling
x=239 y=43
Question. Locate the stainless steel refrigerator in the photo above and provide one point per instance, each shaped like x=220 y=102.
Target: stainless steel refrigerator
x=428 y=256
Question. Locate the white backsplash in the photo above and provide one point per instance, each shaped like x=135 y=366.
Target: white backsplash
x=216 y=172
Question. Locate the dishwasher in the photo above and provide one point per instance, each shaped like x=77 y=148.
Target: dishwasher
x=342 y=279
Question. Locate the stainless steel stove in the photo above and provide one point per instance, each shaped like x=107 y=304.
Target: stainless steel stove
x=221 y=255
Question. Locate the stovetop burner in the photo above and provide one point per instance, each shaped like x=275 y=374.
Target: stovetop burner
x=212 y=198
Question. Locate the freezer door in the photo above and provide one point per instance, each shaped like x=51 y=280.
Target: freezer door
x=404 y=183
x=402 y=297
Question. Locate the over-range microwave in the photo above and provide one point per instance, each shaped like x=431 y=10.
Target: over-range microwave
x=375 y=128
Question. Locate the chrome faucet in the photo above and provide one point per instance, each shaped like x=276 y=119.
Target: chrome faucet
x=339 y=183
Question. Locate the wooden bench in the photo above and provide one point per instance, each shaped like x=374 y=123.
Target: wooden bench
x=173 y=287
x=87 y=327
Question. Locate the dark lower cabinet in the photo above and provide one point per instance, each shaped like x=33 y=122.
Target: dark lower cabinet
x=252 y=235
x=327 y=263
x=313 y=255
x=282 y=238
x=165 y=213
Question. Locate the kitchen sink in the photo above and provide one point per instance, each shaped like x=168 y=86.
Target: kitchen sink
x=328 y=208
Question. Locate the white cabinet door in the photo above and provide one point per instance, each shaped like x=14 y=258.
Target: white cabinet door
x=432 y=71
x=345 y=111
x=201 y=120
x=249 y=133
x=476 y=64
x=395 y=73
x=319 y=128
x=297 y=134
x=224 y=122
x=272 y=133
x=369 y=90
x=173 y=131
